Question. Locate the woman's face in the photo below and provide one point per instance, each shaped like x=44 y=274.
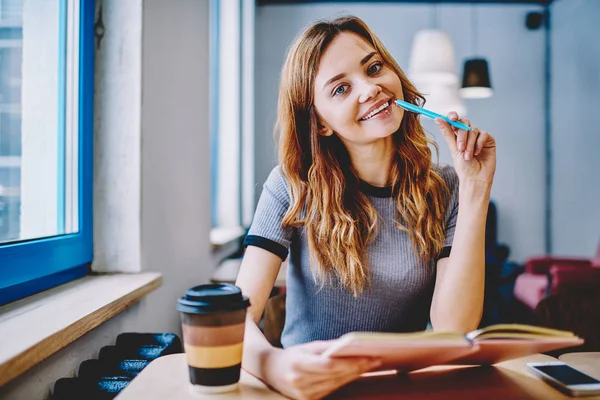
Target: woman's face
x=354 y=92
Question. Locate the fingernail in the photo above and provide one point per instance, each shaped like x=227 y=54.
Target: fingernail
x=468 y=155
x=461 y=146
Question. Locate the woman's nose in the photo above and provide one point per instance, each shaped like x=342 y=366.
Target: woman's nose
x=369 y=90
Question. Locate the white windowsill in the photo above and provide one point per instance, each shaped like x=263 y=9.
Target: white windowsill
x=226 y=241
x=36 y=327
x=220 y=236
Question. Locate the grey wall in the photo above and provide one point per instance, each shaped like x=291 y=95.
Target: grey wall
x=175 y=214
x=175 y=142
x=575 y=128
x=514 y=114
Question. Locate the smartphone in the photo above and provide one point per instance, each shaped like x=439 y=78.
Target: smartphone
x=566 y=378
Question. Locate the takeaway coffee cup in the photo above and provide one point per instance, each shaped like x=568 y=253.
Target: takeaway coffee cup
x=213 y=318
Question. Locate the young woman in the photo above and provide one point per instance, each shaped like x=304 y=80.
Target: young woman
x=378 y=237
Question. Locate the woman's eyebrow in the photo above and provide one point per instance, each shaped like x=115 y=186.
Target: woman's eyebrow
x=335 y=78
x=367 y=58
x=340 y=76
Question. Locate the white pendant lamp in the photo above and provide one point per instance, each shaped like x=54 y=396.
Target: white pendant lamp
x=432 y=69
x=432 y=57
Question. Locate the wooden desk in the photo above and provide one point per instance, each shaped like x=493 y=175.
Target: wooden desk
x=167 y=378
x=585 y=362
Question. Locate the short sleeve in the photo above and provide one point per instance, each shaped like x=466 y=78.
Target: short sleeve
x=448 y=173
x=266 y=231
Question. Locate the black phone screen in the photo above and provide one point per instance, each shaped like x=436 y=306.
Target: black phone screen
x=566 y=374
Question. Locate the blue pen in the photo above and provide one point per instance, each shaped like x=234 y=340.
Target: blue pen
x=416 y=109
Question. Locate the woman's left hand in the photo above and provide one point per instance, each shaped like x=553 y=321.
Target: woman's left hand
x=473 y=152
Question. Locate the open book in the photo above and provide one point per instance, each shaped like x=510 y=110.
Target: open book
x=492 y=344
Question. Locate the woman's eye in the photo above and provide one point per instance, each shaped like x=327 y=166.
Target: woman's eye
x=375 y=68
x=340 y=90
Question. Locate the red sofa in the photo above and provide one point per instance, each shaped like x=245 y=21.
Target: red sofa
x=545 y=276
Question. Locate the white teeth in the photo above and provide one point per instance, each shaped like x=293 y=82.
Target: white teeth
x=377 y=110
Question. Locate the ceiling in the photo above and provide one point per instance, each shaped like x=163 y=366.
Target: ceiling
x=542 y=2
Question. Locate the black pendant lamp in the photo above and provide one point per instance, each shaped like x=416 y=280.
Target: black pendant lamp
x=476 y=83
x=476 y=79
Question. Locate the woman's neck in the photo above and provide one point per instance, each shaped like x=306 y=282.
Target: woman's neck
x=372 y=161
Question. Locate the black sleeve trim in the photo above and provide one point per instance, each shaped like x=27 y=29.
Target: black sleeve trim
x=445 y=253
x=267 y=244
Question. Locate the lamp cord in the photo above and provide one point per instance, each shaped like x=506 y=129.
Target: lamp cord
x=548 y=243
x=474 y=31
x=435 y=17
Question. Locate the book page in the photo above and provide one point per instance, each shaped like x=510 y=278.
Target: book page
x=516 y=331
x=487 y=352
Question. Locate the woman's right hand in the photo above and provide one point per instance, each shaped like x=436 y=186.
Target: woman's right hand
x=300 y=372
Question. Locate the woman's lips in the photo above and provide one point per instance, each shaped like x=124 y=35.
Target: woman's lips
x=386 y=112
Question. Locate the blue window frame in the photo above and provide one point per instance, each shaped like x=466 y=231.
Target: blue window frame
x=32 y=265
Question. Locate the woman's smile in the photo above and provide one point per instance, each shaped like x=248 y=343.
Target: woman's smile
x=380 y=112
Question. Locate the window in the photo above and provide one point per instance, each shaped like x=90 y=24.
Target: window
x=232 y=116
x=46 y=135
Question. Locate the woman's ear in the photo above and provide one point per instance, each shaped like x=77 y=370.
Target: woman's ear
x=323 y=129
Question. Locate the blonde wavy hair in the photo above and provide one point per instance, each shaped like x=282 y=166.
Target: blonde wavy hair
x=338 y=219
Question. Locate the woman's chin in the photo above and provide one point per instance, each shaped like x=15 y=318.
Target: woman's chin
x=386 y=130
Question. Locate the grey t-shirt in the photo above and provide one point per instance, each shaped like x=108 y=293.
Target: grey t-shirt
x=399 y=295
